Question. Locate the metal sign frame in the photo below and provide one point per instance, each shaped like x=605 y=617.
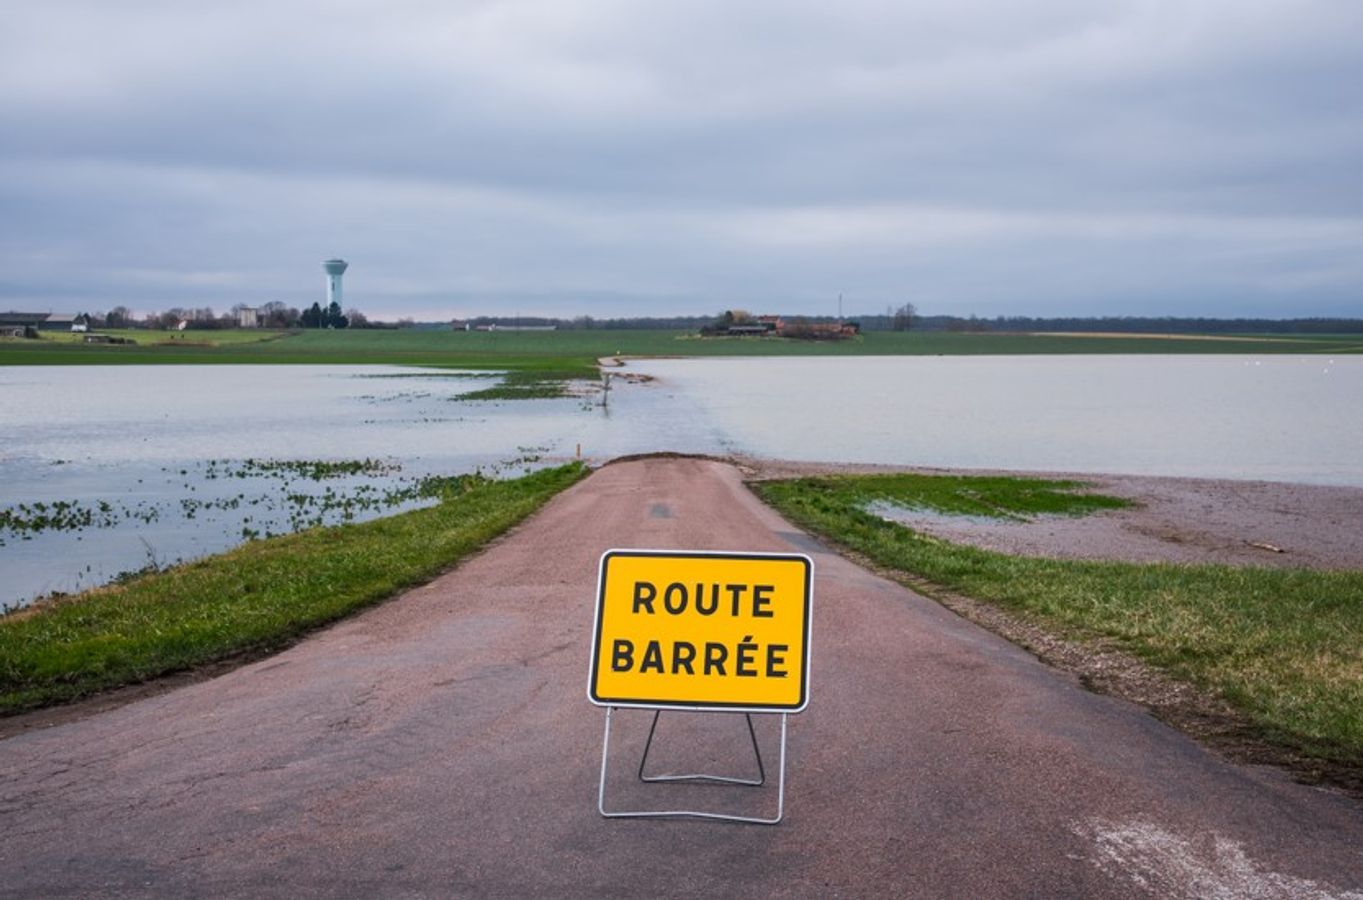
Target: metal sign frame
x=659 y=707
x=694 y=779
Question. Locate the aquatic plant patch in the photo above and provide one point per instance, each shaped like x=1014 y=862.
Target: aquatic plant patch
x=219 y=502
x=978 y=496
x=539 y=384
x=254 y=599
x=310 y=469
x=22 y=521
x=529 y=390
x=388 y=489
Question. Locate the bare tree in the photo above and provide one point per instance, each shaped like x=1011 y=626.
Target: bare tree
x=279 y=315
x=904 y=317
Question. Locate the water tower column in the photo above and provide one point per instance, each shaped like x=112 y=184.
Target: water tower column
x=335 y=268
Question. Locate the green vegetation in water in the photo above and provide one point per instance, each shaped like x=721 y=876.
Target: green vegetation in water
x=23 y=520
x=309 y=469
x=254 y=599
x=286 y=507
x=544 y=383
x=1282 y=646
x=977 y=495
x=425 y=376
x=524 y=390
x=307 y=510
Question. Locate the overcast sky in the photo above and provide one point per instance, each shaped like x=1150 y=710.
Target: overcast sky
x=641 y=157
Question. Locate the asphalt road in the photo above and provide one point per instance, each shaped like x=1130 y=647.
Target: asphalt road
x=442 y=745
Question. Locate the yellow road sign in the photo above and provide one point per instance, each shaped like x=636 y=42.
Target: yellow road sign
x=712 y=631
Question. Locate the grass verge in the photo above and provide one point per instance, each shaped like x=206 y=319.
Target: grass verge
x=1284 y=647
x=995 y=497
x=254 y=599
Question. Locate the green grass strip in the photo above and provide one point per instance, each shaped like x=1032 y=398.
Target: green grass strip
x=254 y=599
x=573 y=353
x=1282 y=646
x=995 y=497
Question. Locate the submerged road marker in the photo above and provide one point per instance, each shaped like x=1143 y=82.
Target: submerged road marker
x=704 y=632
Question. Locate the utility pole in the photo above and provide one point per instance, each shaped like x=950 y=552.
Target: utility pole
x=839 y=307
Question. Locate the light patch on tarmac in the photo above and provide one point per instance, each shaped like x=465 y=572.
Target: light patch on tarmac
x=1208 y=867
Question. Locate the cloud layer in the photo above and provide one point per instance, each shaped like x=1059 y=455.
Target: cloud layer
x=570 y=157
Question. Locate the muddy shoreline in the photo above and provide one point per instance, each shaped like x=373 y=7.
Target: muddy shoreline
x=1176 y=520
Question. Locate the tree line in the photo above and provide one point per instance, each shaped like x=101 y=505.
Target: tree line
x=203 y=318
x=897 y=318
x=1136 y=324
x=906 y=317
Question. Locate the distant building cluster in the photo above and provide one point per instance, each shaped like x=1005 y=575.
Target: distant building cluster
x=736 y=323
x=275 y=315
x=26 y=324
x=489 y=325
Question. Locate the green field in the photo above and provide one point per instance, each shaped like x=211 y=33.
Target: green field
x=574 y=353
x=1281 y=646
x=143 y=337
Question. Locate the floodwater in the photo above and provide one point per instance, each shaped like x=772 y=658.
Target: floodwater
x=1274 y=418
x=148 y=465
x=108 y=470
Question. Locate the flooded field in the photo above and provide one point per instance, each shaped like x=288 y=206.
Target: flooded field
x=1274 y=418
x=107 y=470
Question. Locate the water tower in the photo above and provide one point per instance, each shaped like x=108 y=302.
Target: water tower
x=335 y=269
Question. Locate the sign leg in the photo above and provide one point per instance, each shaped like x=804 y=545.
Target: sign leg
x=760 y=780
x=686 y=813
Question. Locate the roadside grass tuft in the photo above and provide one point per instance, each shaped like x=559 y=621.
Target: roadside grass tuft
x=989 y=496
x=254 y=599
x=1282 y=646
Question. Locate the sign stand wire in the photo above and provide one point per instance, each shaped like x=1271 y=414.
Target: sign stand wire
x=713 y=779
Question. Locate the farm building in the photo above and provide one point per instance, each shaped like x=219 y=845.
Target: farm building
x=42 y=321
x=781 y=327
x=21 y=320
x=58 y=322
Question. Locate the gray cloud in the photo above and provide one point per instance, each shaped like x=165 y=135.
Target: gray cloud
x=569 y=157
